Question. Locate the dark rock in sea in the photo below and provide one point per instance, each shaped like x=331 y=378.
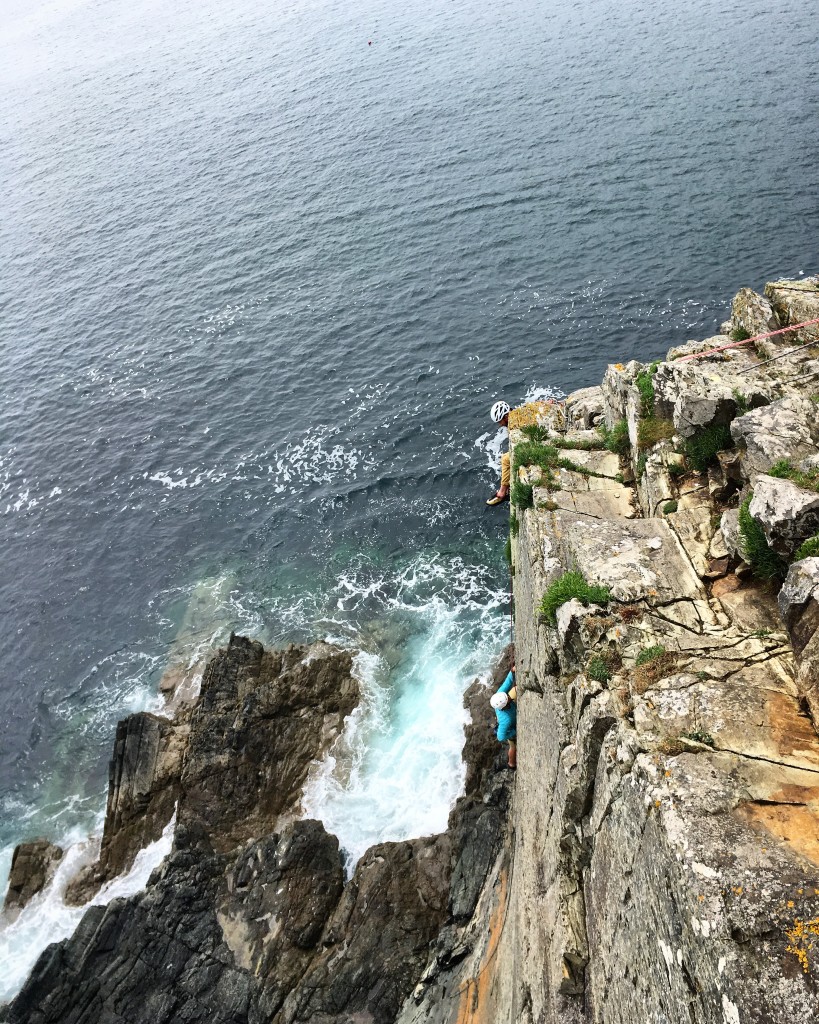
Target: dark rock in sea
x=249 y=920
x=262 y=718
x=32 y=867
x=143 y=787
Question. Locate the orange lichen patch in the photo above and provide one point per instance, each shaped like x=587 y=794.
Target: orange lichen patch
x=797 y=827
x=529 y=414
x=802 y=938
x=474 y=1007
x=793 y=731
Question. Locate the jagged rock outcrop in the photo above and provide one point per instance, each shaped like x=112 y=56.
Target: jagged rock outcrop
x=786 y=429
x=249 y=920
x=32 y=867
x=143 y=787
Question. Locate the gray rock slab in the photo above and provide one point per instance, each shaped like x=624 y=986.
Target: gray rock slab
x=795 y=302
x=753 y=313
x=785 y=429
x=788 y=514
x=638 y=559
x=699 y=393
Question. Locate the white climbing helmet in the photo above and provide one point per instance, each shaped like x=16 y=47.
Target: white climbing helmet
x=498 y=411
x=499 y=700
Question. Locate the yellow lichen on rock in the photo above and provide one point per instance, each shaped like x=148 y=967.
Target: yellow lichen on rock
x=801 y=937
x=528 y=415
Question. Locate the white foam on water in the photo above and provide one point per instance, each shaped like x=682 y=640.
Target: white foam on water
x=47 y=918
x=539 y=393
x=492 y=446
x=396 y=770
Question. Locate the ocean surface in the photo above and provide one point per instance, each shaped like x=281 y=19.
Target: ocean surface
x=263 y=270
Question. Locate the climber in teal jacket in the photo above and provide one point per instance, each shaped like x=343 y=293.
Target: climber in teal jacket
x=506 y=709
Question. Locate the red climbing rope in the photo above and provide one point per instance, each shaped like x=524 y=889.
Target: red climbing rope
x=746 y=341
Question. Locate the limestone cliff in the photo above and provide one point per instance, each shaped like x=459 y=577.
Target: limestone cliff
x=662 y=862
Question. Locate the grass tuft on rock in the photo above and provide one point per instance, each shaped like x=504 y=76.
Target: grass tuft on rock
x=701 y=449
x=765 y=563
x=652 y=430
x=571 y=585
x=785 y=470
x=740 y=334
x=652 y=664
x=616 y=440
x=645 y=385
x=810 y=549
x=670 y=506
x=598 y=670
x=535 y=432
x=520 y=495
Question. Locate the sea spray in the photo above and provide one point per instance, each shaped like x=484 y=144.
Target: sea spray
x=47 y=918
x=396 y=770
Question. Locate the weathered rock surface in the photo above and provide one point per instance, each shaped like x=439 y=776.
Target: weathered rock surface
x=32 y=867
x=799 y=606
x=787 y=513
x=261 y=718
x=786 y=429
x=752 y=313
x=665 y=824
x=794 y=303
x=697 y=394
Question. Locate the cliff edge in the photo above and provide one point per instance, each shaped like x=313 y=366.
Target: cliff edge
x=663 y=855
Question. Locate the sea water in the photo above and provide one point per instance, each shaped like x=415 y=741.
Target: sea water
x=263 y=271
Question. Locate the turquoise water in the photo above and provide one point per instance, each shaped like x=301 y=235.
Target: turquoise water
x=263 y=270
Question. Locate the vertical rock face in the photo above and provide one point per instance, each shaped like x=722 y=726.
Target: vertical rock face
x=143 y=787
x=249 y=920
x=662 y=859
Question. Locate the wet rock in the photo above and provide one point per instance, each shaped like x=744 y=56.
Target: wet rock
x=248 y=920
x=785 y=429
x=376 y=943
x=787 y=513
x=281 y=891
x=143 y=787
x=157 y=957
x=32 y=867
x=260 y=720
